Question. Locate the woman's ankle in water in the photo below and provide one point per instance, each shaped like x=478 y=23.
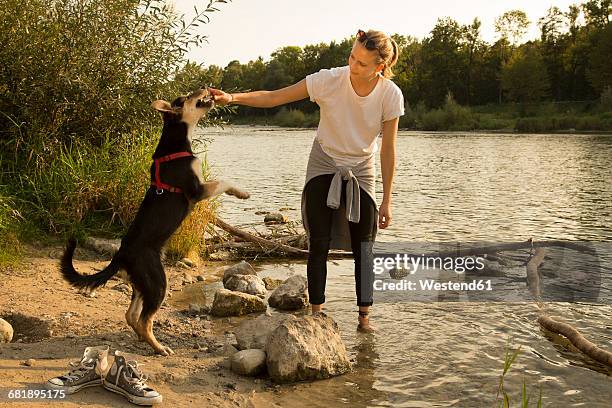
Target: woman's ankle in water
x=316 y=308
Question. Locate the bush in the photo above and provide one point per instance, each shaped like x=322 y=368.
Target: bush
x=9 y=218
x=76 y=82
x=86 y=67
x=605 y=101
x=451 y=116
x=290 y=118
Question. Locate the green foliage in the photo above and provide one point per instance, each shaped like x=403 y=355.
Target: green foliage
x=605 y=101
x=88 y=67
x=453 y=58
x=600 y=68
x=524 y=77
x=76 y=129
x=295 y=118
x=10 y=217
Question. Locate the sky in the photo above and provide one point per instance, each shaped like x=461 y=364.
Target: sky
x=243 y=30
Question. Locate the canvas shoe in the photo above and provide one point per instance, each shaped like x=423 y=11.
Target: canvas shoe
x=85 y=373
x=126 y=379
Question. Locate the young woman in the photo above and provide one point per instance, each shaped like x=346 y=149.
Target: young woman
x=357 y=103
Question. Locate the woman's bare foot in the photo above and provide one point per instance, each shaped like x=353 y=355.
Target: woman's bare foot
x=316 y=308
x=364 y=323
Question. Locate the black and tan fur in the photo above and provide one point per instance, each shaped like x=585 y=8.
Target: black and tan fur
x=138 y=260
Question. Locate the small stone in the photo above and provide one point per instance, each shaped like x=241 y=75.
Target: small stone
x=181 y=264
x=188 y=262
x=200 y=278
x=276 y=218
x=29 y=362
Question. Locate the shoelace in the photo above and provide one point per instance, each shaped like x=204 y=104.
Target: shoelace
x=136 y=378
x=80 y=370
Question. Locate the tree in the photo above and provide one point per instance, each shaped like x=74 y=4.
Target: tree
x=600 y=68
x=553 y=43
x=442 y=63
x=597 y=12
x=471 y=34
x=512 y=25
x=524 y=77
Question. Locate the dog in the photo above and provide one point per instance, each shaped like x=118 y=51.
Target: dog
x=165 y=206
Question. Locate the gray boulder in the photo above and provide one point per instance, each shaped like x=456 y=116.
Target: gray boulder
x=231 y=303
x=102 y=246
x=306 y=348
x=248 y=362
x=241 y=268
x=251 y=284
x=253 y=333
x=292 y=294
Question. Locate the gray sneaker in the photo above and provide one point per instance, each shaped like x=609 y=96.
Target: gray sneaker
x=85 y=373
x=124 y=378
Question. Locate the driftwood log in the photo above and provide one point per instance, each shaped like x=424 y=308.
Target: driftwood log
x=578 y=340
x=273 y=245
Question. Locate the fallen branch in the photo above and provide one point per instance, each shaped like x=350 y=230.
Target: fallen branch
x=262 y=242
x=564 y=329
x=577 y=339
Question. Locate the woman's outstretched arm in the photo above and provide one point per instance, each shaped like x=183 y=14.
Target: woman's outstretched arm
x=263 y=99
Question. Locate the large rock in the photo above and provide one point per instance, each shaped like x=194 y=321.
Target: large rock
x=251 y=284
x=248 y=362
x=253 y=333
x=292 y=294
x=241 y=268
x=231 y=303
x=6 y=331
x=102 y=246
x=306 y=348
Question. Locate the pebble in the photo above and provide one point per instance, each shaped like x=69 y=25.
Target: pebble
x=29 y=362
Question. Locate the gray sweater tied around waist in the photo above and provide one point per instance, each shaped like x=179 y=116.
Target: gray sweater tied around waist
x=362 y=175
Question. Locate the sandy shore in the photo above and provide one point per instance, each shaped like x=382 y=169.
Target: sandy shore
x=53 y=324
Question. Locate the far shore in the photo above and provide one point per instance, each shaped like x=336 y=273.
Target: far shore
x=510 y=132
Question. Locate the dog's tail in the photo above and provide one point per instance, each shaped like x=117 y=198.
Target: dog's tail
x=85 y=281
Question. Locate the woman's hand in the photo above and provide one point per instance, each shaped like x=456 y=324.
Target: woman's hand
x=220 y=97
x=384 y=215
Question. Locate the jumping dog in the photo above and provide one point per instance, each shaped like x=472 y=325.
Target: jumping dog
x=177 y=184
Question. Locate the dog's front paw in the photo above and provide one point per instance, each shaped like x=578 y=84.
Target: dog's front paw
x=238 y=193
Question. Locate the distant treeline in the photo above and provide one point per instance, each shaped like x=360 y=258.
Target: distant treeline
x=571 y=61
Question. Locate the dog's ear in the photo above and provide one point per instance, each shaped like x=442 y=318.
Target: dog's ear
x=162 y=106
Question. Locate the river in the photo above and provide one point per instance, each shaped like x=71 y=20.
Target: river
x=449 y=187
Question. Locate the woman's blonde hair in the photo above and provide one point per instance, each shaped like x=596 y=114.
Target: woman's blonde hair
x=388 y=51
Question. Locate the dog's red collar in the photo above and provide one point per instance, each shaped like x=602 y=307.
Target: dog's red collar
x=158 y=184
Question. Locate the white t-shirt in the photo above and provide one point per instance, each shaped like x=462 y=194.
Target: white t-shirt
x=349 y=123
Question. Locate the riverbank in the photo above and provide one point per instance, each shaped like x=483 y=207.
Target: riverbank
x=577 y=117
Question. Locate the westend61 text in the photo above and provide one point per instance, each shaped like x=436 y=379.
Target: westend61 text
x=433 y=285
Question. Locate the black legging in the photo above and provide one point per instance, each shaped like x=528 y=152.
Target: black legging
x=319 y=222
